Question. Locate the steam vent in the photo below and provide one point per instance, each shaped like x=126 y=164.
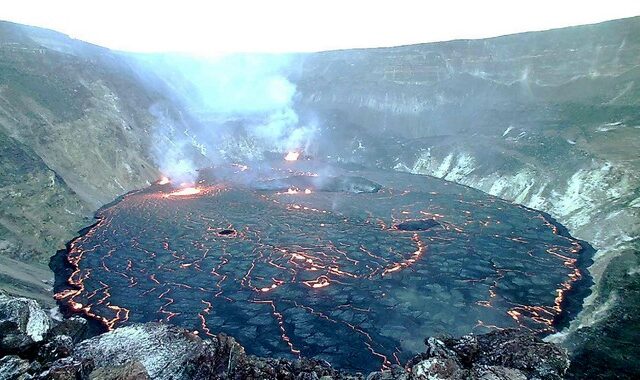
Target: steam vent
x=292 y=273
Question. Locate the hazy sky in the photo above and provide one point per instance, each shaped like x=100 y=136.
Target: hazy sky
x=214 y=27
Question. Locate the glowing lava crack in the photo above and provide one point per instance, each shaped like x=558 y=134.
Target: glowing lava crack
x=356 y=278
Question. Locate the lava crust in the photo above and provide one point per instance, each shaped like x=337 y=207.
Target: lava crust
x=325 y=272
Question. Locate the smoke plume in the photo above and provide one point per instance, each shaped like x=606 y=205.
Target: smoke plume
x=240 y=107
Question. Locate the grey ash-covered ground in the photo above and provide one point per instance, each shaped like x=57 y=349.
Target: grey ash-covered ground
x=305 y=260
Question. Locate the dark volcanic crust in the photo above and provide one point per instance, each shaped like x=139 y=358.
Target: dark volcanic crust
x=479 y=269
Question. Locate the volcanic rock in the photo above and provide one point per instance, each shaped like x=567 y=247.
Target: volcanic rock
x=129 y=371
x=502 y=354
x=59 y=346
x=395 y=373
x=513 y=349
x=26 y=314
x=438 y=362
x=482 y=372
x=23 y=323
x=13 y=368
x=74 y=327
x=68 y=368
x=164 y=351
x=161 y=351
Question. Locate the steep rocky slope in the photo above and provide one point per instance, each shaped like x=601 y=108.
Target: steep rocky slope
x=38 y=212
x=74 y=131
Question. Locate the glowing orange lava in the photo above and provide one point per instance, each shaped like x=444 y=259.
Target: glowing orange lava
x=163 y=181
x=292 y=156
x=184 y=192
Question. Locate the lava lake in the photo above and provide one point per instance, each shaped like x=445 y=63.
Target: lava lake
x=301 y=258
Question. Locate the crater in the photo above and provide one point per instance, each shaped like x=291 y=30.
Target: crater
x=356 y=278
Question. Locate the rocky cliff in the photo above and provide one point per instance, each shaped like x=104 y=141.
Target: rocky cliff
x=74 y=134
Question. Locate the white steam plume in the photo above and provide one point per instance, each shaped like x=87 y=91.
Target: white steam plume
x=250 y=92
x=170 y=149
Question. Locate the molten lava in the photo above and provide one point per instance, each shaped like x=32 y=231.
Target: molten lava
x=304 y=273
x=292 y=156
x=163 y=181
x=185 y=192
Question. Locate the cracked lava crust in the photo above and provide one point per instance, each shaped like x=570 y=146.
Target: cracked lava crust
x=354 y=267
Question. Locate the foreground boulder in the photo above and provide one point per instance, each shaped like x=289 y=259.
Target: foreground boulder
x=165 y=352
x=23 y=324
